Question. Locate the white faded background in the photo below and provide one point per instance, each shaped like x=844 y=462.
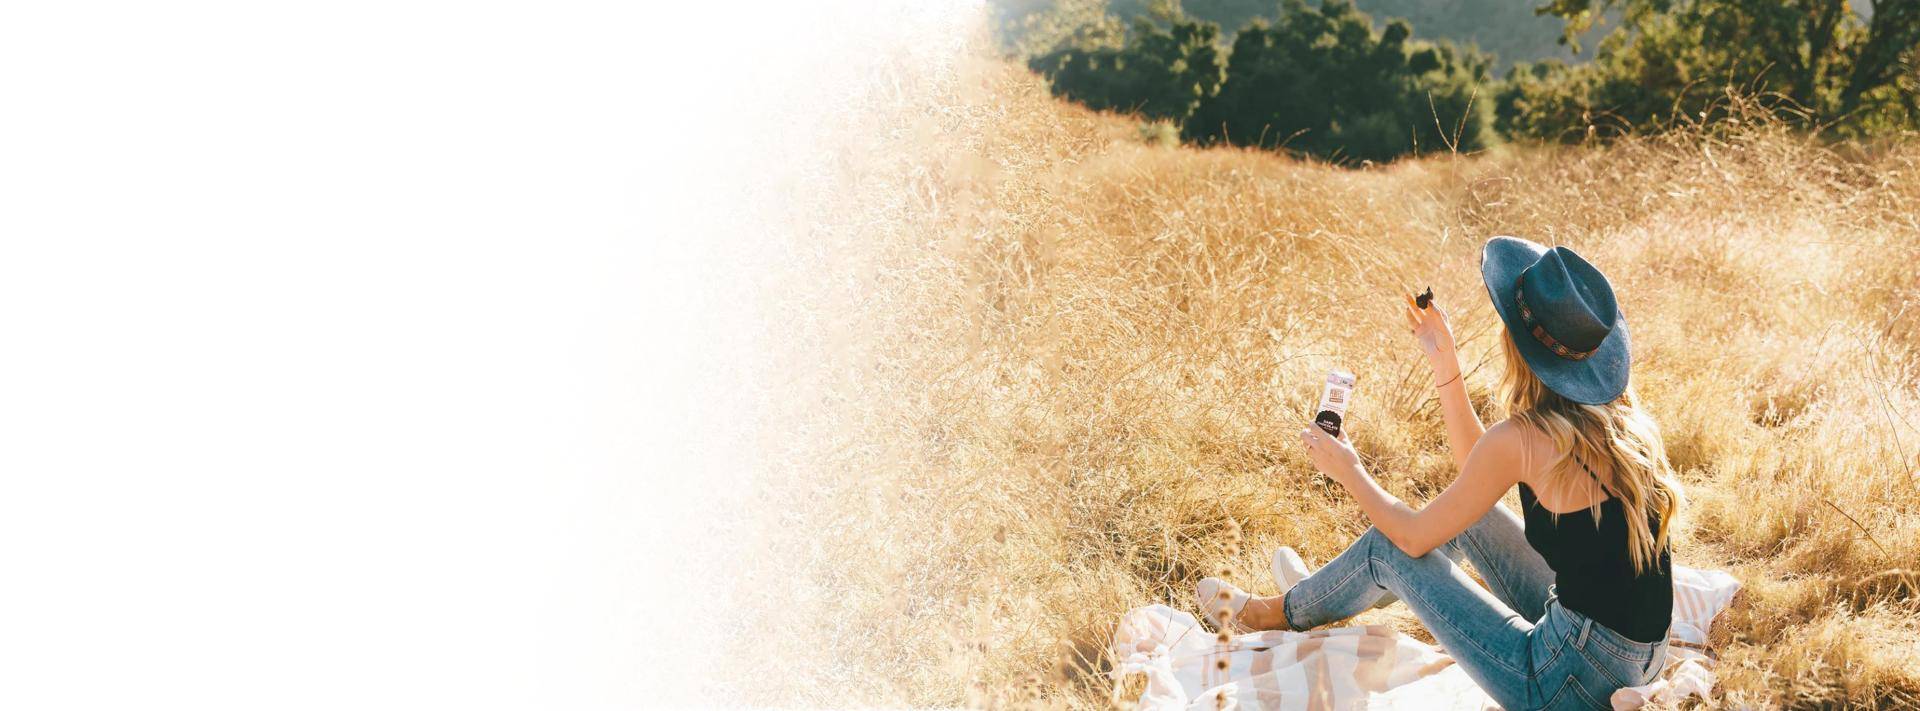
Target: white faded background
x=384 y=354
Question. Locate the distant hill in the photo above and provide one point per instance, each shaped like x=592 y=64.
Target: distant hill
x=1507 y=28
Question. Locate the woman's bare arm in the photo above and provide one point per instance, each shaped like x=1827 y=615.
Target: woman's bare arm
x=1491 y=469
x=1434 y=334
x=1464 y=428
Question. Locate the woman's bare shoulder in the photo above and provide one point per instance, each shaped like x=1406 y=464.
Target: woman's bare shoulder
x=1520 y=440
x=1509 y=434
x=1504 y=443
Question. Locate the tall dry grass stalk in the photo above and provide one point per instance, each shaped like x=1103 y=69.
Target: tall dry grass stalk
x=1034 y=371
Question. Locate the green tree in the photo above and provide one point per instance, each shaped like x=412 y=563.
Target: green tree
x=1508 y=29
x=1323 y=82
x=1028 y=28
x=1816 y=62
x=1160 y=71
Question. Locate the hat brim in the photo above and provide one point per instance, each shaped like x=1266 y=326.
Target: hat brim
x=1595 y=380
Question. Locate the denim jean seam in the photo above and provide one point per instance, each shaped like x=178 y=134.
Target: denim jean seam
x=1557 y=692
x=1337 y=585
x=1371 y=559
x=1554 y=656
x=1613 y=650
x=1602 y=668
x=1492 y=571
x=1654 y=663
x=1615 y=653
x=1579 y=690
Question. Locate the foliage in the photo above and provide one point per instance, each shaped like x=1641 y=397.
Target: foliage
x=1816 y=63
x=1029 y=28
x=1508 y=29
x=1230 y=15
x=1160 y=72
x=1322 y=82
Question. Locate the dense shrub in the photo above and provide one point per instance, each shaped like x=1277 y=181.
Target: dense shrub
x=1323 y=82
x=1816 y=63
x=1508 y=29
x=1161 y=72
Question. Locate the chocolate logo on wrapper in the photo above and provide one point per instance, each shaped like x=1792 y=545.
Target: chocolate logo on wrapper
x=1334 y=397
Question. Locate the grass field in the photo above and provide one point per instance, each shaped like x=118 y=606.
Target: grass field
x=1036 y=370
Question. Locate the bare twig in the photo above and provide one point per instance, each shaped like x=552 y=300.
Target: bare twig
x=1863 y=528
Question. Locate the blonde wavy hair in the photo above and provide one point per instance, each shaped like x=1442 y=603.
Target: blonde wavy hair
x=1618 y=433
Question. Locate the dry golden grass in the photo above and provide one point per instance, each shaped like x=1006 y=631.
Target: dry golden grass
x=1037 y=371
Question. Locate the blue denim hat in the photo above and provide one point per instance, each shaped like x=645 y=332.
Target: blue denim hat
x=1561 y=312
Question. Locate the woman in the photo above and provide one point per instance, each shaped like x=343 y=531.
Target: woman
x=1581 y=580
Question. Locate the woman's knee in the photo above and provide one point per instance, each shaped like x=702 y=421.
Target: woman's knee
x=1382 y=548
x=1377 y=544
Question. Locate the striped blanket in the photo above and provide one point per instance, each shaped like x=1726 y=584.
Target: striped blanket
x=1165 y=657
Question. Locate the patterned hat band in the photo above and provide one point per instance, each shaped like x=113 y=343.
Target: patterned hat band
x=1539 y=332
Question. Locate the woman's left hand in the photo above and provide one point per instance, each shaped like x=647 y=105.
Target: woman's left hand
x=1333 y=456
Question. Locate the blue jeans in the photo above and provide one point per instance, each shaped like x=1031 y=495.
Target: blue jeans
x=1515 y=641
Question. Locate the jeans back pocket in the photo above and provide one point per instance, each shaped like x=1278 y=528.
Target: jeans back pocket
x=1573 y=695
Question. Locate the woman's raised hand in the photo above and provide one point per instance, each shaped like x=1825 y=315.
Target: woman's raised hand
x=1434 y=335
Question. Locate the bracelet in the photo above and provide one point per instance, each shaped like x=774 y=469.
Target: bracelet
x=1456 y=376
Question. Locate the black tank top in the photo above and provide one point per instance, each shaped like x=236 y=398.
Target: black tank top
x=1593 y=574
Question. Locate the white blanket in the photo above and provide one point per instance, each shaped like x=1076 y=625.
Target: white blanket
x=1173 y=663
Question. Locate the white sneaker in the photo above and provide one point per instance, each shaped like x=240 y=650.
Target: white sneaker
x=1288 y=570
x=1214 y=596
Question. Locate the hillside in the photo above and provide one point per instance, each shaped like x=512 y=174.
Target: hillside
x=1038 y=372
x=1509 y=29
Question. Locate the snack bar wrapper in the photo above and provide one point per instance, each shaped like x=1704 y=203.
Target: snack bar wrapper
x=1334 y=398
